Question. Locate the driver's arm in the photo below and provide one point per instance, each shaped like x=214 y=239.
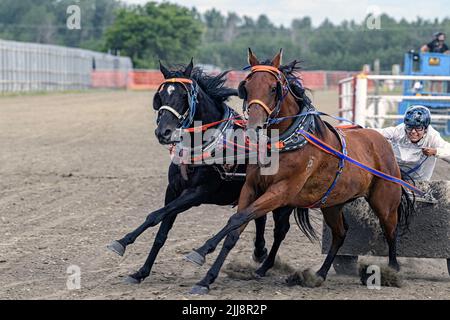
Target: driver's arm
x=425 y=48
x=442 y=147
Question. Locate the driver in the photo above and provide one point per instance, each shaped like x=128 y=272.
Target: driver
x=416 y=144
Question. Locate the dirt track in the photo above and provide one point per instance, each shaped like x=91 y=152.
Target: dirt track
x=79 y=170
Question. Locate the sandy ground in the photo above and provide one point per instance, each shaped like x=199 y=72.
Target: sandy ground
x=79 y=170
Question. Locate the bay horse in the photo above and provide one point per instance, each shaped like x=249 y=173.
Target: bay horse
x=189 y=95
x=307 y=176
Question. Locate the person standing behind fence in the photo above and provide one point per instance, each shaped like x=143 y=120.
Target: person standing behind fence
x=437 y=45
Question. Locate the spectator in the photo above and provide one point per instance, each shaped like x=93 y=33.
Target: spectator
x=437 y=45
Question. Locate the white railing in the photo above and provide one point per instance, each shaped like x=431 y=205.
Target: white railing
x=371 y=110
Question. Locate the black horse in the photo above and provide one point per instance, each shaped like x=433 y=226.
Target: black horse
x=179 y=103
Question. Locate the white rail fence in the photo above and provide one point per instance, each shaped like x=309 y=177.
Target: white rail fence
x=357 y=102
x=28 y=67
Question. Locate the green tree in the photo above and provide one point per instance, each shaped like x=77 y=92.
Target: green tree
x=155 y=31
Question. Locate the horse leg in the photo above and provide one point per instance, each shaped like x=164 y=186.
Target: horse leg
x=188 y=199
x=281 y=217
x=238 y=219
x=269 y=201
x=385 y=202
x=231 y=239
x=197 y=256
x=159 y=242
x=335 y=220
x=260 y=252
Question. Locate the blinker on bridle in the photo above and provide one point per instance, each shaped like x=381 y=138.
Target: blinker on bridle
x=186 y=119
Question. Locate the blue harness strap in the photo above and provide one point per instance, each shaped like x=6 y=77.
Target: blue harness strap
x=317 y=142
x=193 y=100
x=317 y=113
x=324 y=199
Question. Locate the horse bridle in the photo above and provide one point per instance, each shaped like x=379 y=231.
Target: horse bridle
x=281 y=92
x=186 y=119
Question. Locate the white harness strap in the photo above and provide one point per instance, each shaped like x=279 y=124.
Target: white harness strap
x=174 y=112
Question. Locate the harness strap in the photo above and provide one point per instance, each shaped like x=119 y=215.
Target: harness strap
x=182 y=81
x=177 y=80
x=262 y=104
x=330 y=150
x=263 y=68
x=318 y=113
x=324 y=199
x=279 y=78
x=186 y=119
x=213 y=124
x=174 y=112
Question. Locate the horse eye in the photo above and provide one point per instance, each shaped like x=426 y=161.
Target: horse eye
x=273 y=89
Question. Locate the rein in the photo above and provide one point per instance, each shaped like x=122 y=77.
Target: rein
x=342 y=156
x=330 y=150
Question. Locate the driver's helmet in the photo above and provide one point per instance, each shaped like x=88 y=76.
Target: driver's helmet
x=438 y=34
x=417 y=117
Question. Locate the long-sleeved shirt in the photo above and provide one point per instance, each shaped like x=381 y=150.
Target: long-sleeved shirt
x=409 y=155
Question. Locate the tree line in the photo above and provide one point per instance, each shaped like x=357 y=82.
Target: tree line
x=174 y=33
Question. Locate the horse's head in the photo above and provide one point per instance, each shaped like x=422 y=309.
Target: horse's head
x=262 y=90
x=172 y=101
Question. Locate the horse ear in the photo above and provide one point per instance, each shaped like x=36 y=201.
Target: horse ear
x=276 y=61
x=252 y=60
x=189 y=68
x=164 y=70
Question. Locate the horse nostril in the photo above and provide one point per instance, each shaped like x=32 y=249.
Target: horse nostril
x=167 y=133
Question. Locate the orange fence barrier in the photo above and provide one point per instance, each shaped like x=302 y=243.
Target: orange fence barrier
x=144 y=80
x=151 y=79
x=109 y=79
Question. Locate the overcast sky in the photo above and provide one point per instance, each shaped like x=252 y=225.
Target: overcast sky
x=283 y=11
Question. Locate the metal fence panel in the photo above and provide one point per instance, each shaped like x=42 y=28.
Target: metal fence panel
x=28 y=67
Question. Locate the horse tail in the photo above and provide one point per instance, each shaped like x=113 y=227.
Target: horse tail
x=302 y=219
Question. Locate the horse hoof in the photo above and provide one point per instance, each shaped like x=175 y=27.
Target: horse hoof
x=132 y=280
x=395 y=267
x=116 y=247
x=261 y=258
x=306 y=278
x=259 y=274
x=199 y=290
x=312 y=279
x=195 y=258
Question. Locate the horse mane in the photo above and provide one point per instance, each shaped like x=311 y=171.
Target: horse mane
x=291 y=72
x=213 y=85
